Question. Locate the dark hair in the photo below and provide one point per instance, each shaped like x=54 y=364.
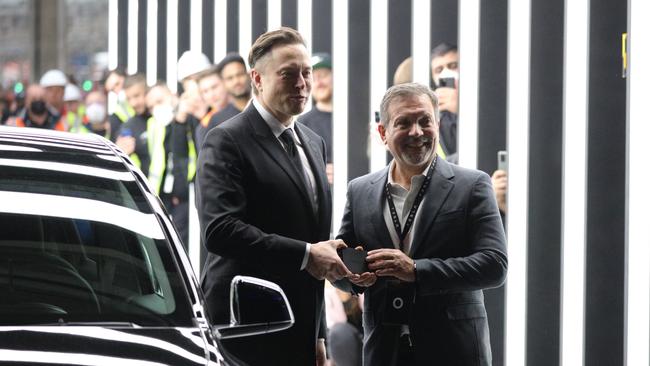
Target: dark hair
x=230 y=58
x=443 y=49
x=265 y=43
x=135 y=79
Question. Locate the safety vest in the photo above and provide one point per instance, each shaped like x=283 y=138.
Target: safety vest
x=124 y=111
x=77 y=123
x=205 y=121
x=20 y=122
x=156 y=147
x=440 y=151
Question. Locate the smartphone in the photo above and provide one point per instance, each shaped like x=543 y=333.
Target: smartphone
x=447 y=83
x=354 y=259
x=502 y=160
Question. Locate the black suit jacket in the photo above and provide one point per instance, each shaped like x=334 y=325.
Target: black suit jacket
x=256 y=217
x=459 y=249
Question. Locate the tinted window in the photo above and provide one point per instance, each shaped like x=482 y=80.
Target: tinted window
x=82 y=246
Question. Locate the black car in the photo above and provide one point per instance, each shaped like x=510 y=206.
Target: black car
x=92 y=270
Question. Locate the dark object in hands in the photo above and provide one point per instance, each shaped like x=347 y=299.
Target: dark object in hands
x=354 y=259
x=447 y=83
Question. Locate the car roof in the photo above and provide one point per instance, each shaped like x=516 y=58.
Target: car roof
x=62 y=147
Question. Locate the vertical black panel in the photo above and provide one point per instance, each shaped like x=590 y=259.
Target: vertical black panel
x=161 y=53
x=444 y=21
x=183 y=31
x=545 y=183
x=321 y=26
x=122 y=33
x=399 y=34
x=142 y=36
x=207 y=24
x=183 y=27
x=36 y=38
x=259 y=18
x=290 y=13
x=605 y=271
x=232 y=40
x=358 y=86
x=492 y=133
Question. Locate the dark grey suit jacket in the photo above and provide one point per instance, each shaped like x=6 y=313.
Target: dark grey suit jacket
x=459 y=249
x=256 y=217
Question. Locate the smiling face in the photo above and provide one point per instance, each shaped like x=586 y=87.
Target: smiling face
x=322 y=91
x=283 y=79
x=411 y=133
x=235 y=79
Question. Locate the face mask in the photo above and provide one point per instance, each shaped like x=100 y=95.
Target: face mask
x=38 y=107
x=163 y=113
x=96 y=113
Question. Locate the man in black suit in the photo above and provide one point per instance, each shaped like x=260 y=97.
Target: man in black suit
x=265 y=205
x=435 y=240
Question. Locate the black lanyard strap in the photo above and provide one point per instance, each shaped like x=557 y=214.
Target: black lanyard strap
x=414 y=209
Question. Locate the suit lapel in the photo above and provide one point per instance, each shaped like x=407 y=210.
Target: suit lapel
x=268 y=142
x=316 y=161
x=374 y=195
x=436 y=195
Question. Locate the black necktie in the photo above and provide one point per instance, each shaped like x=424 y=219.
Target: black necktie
x=290 y=145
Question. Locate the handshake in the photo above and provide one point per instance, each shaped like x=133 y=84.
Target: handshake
x=328 y=259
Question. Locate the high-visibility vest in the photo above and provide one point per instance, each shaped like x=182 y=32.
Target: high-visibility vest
x=158 y=156
x=124 y=111
x=77 y=123
x=191 y=156
x=20 y=122
x=440 y=151
x=156 y=147
x=205 y=121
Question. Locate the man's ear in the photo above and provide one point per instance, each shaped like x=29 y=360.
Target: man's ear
x=382 y=131
x=256 y=78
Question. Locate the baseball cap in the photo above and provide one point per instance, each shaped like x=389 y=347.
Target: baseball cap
x=321 y=61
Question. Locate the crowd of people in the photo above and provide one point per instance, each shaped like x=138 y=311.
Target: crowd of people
x=252 y=212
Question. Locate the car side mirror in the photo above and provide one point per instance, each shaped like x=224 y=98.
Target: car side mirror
x=256 y=307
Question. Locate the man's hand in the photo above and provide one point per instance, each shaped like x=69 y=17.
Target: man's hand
x=321 y=354
x=329 y=170
x=447 y=99
x=126 y=143
x=365 y=279
x=500 y=185
x=183 y=108
x=325 y=263
x=391 y=262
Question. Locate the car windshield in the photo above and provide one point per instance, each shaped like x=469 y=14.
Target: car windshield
x=79 y=243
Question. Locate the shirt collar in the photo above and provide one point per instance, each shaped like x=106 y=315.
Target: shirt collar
x=416 y=180
x=276 y=126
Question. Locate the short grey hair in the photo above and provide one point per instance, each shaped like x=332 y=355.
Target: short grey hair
x=404 y=91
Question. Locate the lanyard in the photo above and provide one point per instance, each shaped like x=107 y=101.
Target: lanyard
x=414 y=209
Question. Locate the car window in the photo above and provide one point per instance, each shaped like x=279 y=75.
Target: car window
x=80 y=248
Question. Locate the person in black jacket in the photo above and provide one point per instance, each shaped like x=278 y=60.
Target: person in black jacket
x=265 y=206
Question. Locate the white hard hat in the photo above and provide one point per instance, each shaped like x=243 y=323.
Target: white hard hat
x=53 y=77
x=71 y=93
x=192 y=62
